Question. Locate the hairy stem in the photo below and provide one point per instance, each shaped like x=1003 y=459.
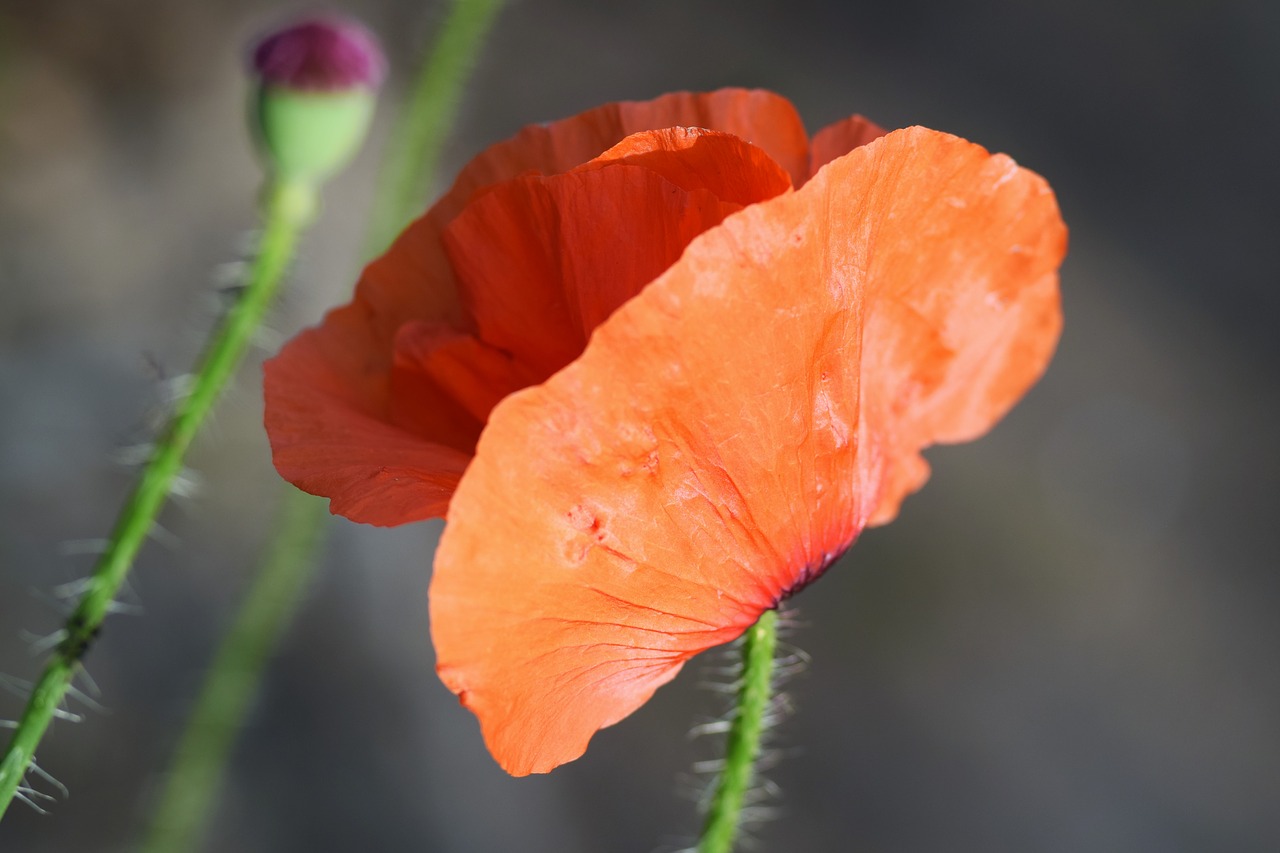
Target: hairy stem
x=408 y=167
x=743 y=744
x=288 y=208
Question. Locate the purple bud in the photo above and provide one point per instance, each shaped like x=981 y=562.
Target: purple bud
x=322 y=54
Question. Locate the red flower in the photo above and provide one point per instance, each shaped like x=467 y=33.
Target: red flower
x=724 y=380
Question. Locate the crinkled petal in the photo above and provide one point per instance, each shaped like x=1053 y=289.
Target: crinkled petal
x=348 y=361
x=732 y=169
x=728 y=432
x=327 y=440
x=762 y=118
x=542 y=261
x=467 y=372
x=336 y=429
x=958 y=336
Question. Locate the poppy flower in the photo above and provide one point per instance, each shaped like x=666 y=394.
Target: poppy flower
x=658 y=365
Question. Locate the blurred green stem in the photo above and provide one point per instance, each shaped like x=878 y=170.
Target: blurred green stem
x=233 y=678
x=408 y=168
x=413 y=151
x=743 y=744
x=288 y=209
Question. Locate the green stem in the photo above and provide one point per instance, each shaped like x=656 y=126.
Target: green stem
x=743 y=744
x=409 y=164
x=413 y=151
x=183 y=813
x=288 y=209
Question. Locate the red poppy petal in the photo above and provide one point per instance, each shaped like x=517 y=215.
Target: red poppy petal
x=431 y=357
x=729 y=431
x=353 y=348
x=731 y=168
x=544 y=260
x=515 y=264
x=414 y=281
x=762 y=118
x=327 y=441
x=838 y=139
x=334 y=428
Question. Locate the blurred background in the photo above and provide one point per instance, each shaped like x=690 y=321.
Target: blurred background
x=1067 y=642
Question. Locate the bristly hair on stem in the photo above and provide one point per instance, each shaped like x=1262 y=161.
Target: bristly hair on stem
x=739 y=795
x=287 y=212
x=407 y=170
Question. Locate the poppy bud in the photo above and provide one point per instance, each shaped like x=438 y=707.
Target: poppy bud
x=315 y=94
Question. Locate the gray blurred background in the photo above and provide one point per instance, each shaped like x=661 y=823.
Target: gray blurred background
x=1068 y=641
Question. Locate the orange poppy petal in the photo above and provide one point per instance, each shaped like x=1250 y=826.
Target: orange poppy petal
x=838 y=139
x=945 y=363
x=729 y=431
x=544 y=260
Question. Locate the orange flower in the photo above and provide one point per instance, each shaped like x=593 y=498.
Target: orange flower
x=699 y=355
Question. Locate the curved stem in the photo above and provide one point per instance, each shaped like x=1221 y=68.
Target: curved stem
x=413 y=151
x=743 y=744
x=183 y=813
x=288 y=209
x=408 y=167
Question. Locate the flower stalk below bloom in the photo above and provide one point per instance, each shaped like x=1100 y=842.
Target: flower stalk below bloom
x=290 y=558
x=742 y=748
x=287 y=209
